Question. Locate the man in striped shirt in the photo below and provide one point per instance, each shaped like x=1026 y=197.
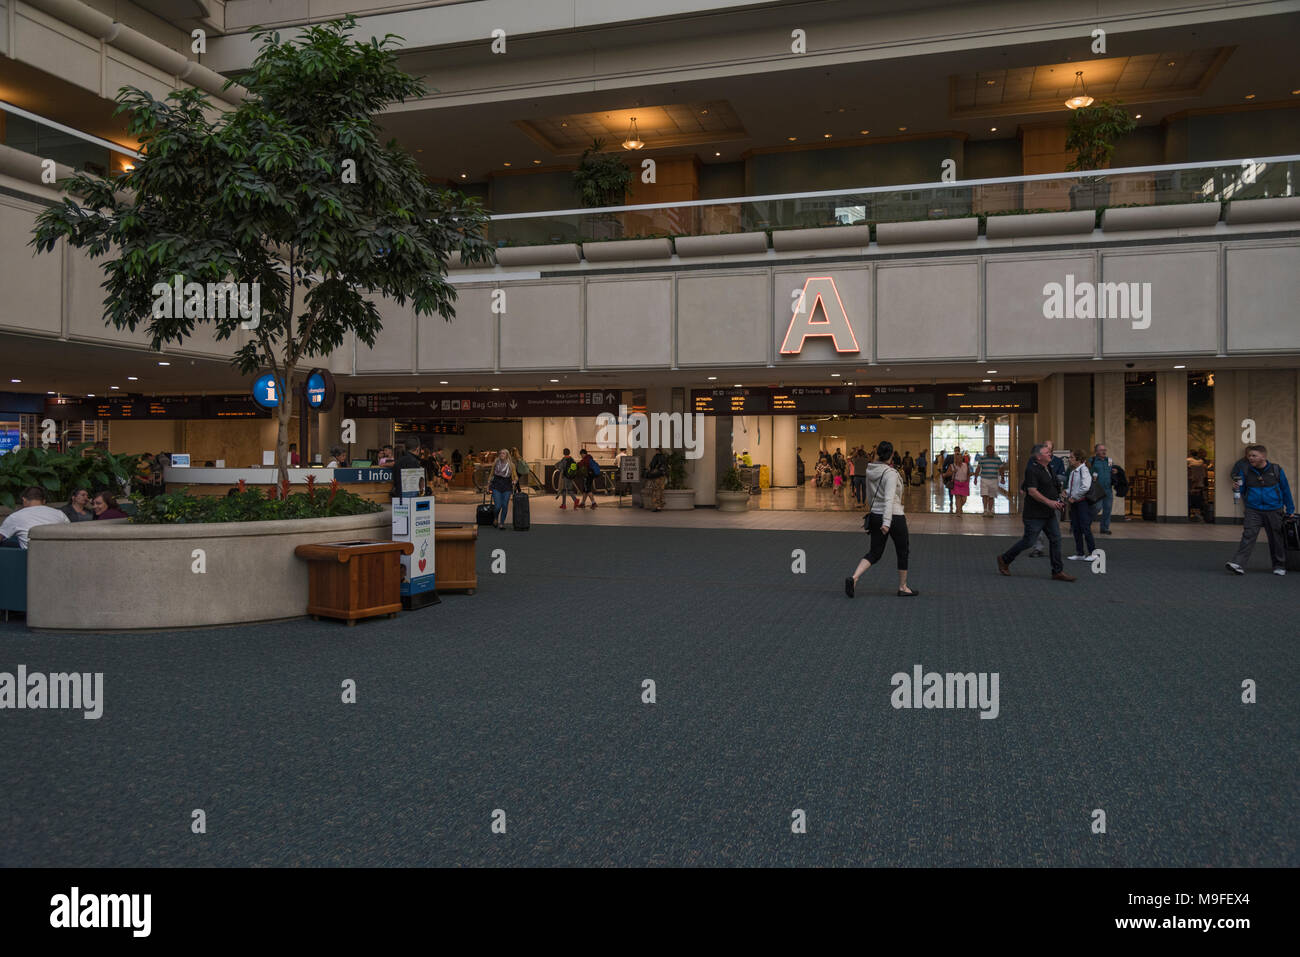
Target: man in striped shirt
x=991 y=469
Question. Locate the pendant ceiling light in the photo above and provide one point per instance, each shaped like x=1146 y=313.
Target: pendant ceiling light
x=1078 y=93
x=633 y=141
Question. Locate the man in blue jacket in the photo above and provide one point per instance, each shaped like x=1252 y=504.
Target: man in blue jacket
x=1263 y=487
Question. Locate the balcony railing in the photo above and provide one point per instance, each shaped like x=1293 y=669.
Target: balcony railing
x=1136 y=186
x=47 y=139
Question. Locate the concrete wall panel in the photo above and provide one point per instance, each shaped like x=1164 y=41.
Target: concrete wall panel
x=468 y=342
x=1184 y=307
x=395 y=344
x=1015 y=326
x=1263 y=288
x=32 y=284
x=541 y=327
x=720 y=318
x=927 y=311
x=629 y=322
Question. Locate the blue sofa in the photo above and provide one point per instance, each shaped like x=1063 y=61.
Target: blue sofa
x=13 y=580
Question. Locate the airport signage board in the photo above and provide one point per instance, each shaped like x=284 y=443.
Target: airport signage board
x=475 y=405
x=893 y=398
x=155 y=407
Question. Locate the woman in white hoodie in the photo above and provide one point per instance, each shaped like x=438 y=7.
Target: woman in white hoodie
x=885 y=521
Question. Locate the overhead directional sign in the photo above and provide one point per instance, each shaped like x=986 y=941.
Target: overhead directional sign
x=467 y=405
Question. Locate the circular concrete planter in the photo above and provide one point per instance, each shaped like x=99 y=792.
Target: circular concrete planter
x=679 y=500
x=131 y=577
x=733 y=501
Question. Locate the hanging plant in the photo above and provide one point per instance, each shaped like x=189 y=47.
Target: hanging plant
x=602 y=179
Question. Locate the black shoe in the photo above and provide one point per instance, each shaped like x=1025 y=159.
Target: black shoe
x=908 y=594
x=848 y=587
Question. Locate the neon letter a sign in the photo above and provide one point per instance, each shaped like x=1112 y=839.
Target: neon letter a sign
x=819 y=291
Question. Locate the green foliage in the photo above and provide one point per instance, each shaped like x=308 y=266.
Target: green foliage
x=265 y=194
x=731 y=481
x=60 y=472
x=177 y=508
x=602 y=179
x=676 y=472
x=1093 y=132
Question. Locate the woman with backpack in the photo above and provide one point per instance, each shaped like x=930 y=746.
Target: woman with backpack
x=502 y=484
x=587 y=472
x=521 y=470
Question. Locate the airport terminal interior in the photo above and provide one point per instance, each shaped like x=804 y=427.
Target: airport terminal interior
x=770 y=264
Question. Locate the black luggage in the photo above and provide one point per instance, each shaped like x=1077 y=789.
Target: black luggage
x=519 y=506
x=1149 y=511
x=1291 y=532
x=486 y=513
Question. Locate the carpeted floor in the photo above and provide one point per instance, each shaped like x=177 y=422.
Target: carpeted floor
x=1119 y=692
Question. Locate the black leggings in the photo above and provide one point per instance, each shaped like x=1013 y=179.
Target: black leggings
x=897 y=534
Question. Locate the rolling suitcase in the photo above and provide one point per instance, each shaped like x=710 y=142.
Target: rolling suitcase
x=519 y=506
x=1148 y=511
x=486 y=513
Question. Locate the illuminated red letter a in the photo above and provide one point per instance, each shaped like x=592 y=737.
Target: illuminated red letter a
x=819 y=291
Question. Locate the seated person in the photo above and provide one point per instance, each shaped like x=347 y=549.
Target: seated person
x=104 y=506
x=32 y=512
x=78 y=507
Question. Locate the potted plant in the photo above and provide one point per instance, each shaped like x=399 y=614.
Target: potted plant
x=602 y=180
x=677 y=497
x=1092 y=135
x=733 y=496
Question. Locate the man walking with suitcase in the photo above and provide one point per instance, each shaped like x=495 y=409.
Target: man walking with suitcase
x=1262 y=486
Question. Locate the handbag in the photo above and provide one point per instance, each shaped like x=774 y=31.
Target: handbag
x=1095 y=492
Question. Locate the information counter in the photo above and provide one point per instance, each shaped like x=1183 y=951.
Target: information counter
x=373 y=484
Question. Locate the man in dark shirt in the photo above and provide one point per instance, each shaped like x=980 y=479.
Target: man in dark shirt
x=405 y=460
x=1041 y=509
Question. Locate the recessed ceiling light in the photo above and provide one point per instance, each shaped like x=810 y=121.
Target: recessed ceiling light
x=717 y=154
x=49 y=393
x=507 y=164
x=15 y=380
x=1250 y=96
x=90 y=395
x=442 y=382
x=902 y=129
x=864 y=132
x=993 y=129
x=164 y=363
x=1295 y=92
x=992 y=372
x=555 y=380
x=988 y=380
x=1170 y=63
x=464 y=175
x=1138 y=116
x=537 y=162
x=792 y=138
x=419 y=151
x=1180 y=367
x=564 y=124
x=826 y=136
x=133 y=378
x=704 y=112
x=713 y=378
x=112 y=387
x=496 y=388
x=990 y=82
x=739 y=386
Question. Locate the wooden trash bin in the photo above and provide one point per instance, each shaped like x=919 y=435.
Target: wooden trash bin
x=454 y=562
x=351 y=580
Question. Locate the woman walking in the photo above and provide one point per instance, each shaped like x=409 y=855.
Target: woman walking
x=885 y=521
x=503 y=482
x=961 y=482
x=1076 y=493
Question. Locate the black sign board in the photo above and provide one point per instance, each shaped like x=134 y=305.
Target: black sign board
x=476 y=405
x=997 y=397
x=732 y=401
x=153 y=407
x=956 y=399
x=878 y=399
x=813 y=399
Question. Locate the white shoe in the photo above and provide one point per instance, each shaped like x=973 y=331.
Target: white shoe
x=1079 y=558
x=1234 y=568
x=1279 y=571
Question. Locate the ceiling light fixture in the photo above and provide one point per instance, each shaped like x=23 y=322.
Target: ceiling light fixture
x=555 y=380
x=1250 y=96
x=1081 y=98
x=835 y=375
x=442 y=382
x=990 y=82
x=506 y=164
x=464 y=175
x=739 y=386
x=1137 y=116
x=112 y=387
x=826 y=136
x=993 y=129
x=992 y=372
x=537 y=162
x=717 y=154
x=902 y=129
x=1180 y=367
x=864 y=132
x=164 y=363
x=633 y=140
x=988 y=380
x=133 y=378
x=704 y=112
x=713 y=378
x=15 y=380
x=792 y=138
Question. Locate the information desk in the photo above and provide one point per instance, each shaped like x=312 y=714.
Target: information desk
x=354 y=579
x=373 y=484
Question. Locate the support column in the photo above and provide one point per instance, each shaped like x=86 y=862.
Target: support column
x=533 y=449
x=1171 y=446
x=702 y=473
x=1231 y=396
x=785 y=439
x=1051 y=410
x=1108 y=414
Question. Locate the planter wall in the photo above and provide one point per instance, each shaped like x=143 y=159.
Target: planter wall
x=928 y=231
x=1175 y=216
x=1279 y=210
x=538 y=255
x=733 y=501
x=133 y=577
x=731 y=244
x=627 y=250
x=822 y=237
x=1078 y=223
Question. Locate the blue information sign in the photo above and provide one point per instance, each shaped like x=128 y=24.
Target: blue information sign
x=266 y=391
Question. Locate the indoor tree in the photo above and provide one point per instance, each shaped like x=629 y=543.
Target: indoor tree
x=292 y=190
x=1093 y=132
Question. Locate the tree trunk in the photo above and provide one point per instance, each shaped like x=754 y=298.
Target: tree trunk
x=282 y=436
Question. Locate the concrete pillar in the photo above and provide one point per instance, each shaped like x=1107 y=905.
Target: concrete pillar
x=1171 y=446
x=1108 y=414
x=1051 y=410
x=533 y=448
x=785 y=439
x=702 y=473
x=1076 y=412
x=1268 y=398
x=1231 y=401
